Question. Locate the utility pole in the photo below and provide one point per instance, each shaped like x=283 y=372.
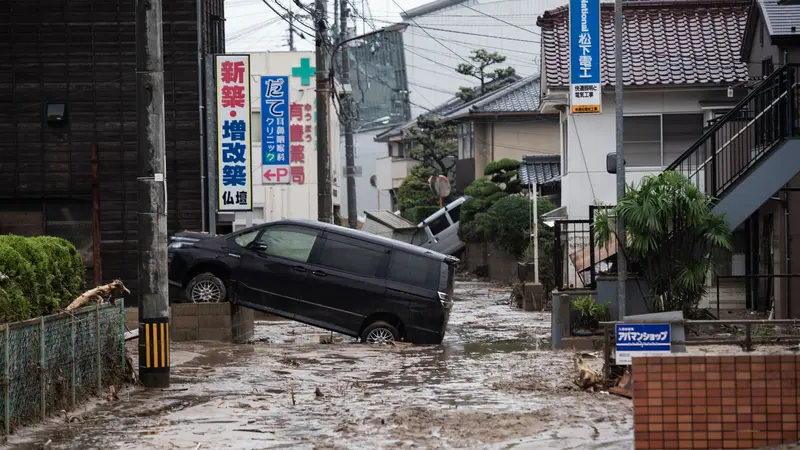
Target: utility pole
x=290 y=17
x=622 y=263
x=152 y=246
x=324 y=199
x=347 y=110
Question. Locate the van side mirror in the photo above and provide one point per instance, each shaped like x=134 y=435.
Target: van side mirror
x=258 y=246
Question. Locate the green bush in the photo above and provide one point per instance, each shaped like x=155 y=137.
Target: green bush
x=44 y=274
x=419 y=213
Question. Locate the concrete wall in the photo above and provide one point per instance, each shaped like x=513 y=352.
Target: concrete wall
x=711 y=402
x=502 y=267
x=203 y=322
x=636 y=290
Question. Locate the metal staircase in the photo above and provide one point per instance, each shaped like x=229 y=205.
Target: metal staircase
x=752 y=151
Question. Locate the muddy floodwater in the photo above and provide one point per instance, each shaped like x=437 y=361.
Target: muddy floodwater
x=492 y=384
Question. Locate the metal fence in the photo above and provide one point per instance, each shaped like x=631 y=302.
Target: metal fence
x=52 y=363
x=577 y=257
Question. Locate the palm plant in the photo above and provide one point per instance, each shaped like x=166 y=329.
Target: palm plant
x=672 y=233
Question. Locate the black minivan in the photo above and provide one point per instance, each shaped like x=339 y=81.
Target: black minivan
x=336 y=278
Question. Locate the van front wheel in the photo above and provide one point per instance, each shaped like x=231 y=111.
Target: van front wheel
x=380 y=333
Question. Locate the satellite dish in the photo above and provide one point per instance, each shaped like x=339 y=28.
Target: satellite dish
x=441 y=186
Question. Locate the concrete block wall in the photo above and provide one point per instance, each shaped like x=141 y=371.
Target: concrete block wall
x=203 y=322
x=715 y=402
x=732 y=296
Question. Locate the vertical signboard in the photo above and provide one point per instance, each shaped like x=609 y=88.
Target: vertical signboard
x=584 y=40
x=275 y=130
x=233 y=128
x=301 y=135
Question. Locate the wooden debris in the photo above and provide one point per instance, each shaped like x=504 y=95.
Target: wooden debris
x=625 y=386
x=105 y=293
x=291 y=391
x=587 y=377
x=318 y=393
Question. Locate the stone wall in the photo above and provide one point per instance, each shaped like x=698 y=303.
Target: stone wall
x=204 y=322
x=714 y=402
x=499 y=265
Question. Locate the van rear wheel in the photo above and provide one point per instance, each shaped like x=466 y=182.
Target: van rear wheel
x=380 y=333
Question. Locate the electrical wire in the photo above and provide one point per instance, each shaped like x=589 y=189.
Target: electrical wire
x=432 y=37
x=583 y=156
x=464 y=4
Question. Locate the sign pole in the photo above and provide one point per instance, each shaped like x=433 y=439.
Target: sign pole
x=622 y=263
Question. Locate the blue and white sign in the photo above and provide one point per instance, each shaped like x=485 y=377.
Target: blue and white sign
x=584 y=40
x=642 y=339
x=275 y=130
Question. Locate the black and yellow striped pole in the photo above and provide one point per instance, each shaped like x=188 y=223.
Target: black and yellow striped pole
x=154 y=355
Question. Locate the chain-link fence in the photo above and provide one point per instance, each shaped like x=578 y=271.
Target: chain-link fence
x=53 y=363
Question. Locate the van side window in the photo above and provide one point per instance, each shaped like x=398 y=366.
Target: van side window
x=293 y=244
x=350 y=258
x=438 y=224
x=455 y=213
x=414 y=270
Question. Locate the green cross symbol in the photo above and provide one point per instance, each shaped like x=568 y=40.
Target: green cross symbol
x=305 y=71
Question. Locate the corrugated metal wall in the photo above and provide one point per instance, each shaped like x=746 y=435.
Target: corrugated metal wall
x=82 y=53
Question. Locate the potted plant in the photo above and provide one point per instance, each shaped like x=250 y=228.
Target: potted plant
x=590 y=314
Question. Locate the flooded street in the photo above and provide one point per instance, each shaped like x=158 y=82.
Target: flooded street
x=493 y=383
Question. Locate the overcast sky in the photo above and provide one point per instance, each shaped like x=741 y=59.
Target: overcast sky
x=251 y=26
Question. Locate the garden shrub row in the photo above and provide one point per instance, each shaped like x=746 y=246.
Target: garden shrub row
x=44 y=274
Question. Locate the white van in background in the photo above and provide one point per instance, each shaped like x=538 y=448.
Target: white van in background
x=439 y=232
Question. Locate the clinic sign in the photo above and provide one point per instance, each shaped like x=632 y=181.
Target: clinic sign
x=584 y=40
x=275 y=130
x=233 y=127
x=641 y=339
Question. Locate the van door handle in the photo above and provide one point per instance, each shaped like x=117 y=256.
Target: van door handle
x=300 y=269
x=319 y=273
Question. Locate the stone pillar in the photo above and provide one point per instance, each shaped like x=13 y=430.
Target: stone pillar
x=533 y=296
x=242 y=324
x=559 y=326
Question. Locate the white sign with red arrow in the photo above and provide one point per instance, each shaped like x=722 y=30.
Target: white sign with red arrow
x=276 y=174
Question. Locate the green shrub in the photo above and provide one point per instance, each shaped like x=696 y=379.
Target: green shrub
x=419 y=213
x=44 y=274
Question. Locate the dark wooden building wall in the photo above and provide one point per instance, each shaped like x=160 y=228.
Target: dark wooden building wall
x=82 y=53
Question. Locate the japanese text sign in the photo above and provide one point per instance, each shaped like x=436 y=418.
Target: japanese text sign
x=275 y=129
x=642 y=339
x=584 y=41
x=301 y=137
x=233 y=128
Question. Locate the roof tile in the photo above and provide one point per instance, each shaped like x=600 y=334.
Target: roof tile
x=665 y=42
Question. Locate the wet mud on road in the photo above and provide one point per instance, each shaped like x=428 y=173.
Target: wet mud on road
x=493 y=384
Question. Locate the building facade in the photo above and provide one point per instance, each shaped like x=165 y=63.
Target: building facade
x=68 y=86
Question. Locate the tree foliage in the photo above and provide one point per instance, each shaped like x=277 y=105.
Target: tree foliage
x=504 y=173
x=480 y=70
x=672 y=233
x=435 y=144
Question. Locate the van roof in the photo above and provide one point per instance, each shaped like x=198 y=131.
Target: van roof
x=369 y=237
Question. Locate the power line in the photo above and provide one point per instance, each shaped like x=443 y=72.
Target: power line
x=472 y=44
x=432 y=37
x=464 y=4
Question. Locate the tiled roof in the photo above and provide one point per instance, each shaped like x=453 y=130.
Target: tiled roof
x=522 y=96
x=448 y=107
x=541 y=169
x=666 y=42
x=780 y=17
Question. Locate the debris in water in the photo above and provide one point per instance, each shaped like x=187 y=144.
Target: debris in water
x=625 y=386
x=220 y=403
x=251 y=430
x=291 y=391
x=318 y=393
x=587 y=377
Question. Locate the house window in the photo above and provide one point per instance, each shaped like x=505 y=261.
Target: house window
x=466 y=148
x=656 y=141
x=680 y=132
x=642 y=141
x=407 y=149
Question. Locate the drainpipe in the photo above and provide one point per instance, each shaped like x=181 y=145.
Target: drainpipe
x=201 y=112
x=787 y=249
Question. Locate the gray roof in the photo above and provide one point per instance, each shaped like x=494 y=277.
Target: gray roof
x=447 y=108
x=391 y=220
x=540 y=169
x=780 y=17
x=522 y=96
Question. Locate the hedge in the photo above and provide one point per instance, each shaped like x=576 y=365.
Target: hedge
x=44 y=274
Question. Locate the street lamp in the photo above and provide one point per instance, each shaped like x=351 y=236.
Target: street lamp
x=347 y=110
x=381 y=120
